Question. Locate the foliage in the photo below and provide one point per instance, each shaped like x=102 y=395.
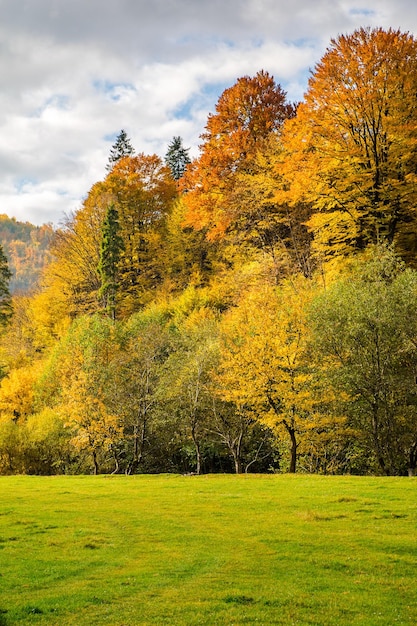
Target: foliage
x=241 y=312
x=265 y=368
x=27 y=250
x=110 y=252
x=351 y=150
x=142 y=191
x=364 y=329
x=246 y=115
x=177 y=158
x=121 y=148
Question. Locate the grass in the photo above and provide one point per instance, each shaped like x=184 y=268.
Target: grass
x=211 y=550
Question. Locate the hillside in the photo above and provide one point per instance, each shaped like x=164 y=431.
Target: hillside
x=27 y=249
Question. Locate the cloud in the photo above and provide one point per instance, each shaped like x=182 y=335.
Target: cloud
x=75 y=73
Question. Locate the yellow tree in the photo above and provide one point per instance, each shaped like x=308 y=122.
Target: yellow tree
x=95 y=429
x=78 y=382
x=265 y=221
x=73 y=275
x=351 y=151
x=17 y=400
x=264 y=362
x=143 y=192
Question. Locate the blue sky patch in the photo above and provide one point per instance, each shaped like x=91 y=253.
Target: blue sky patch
x=112 y=90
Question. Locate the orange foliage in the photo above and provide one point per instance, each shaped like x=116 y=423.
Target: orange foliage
x=246 y=114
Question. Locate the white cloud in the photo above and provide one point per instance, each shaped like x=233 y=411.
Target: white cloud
x=75 y=73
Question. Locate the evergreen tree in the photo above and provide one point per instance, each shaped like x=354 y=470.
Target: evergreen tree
x=177 y=158
x=6 y=309
x=110 y=250
x=121 y=148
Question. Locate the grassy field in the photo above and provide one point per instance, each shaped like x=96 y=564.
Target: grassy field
x=208 y=550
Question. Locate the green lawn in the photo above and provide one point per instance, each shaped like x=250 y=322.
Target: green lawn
x=208 y=550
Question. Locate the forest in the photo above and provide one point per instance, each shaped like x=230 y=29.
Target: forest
x=249 y=310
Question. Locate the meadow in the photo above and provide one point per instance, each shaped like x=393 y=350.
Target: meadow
x=213 y=550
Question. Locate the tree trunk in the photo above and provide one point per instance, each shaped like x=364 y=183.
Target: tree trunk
x=95 y=463
x=412 y=462
x=377 y=445
x=197 y=449
x=293 y=463
x=294 y=445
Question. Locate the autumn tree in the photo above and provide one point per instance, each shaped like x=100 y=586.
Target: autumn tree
x=177 y=158
x=352 y=150
x=121 y=148
x=364 y=330
x=78 y=383
x=72 y=275
x=143 y=191
x=190 y=258
x=265 y=221
x=265 y=369
x=246 y=114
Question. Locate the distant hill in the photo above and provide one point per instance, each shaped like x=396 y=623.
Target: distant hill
x=27 y=250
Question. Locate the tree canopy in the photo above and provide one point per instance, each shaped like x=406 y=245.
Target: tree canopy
x=253 y=310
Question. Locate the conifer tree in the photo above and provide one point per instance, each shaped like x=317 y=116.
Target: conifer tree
x=6 y=309
x=177 y=158
x=122 y=147
x=110 y=250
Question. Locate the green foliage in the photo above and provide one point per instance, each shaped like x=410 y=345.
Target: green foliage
x=110 y=252
x=364 y=330
x=6 y=309
x=121 y=148
x=177 y=158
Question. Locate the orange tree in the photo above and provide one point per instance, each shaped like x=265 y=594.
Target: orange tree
x=246 y=115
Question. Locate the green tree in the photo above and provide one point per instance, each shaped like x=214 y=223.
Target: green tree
x=177 y=158
x=137 y=373
x=186 y=376
x=108 y=268
x=6 y=309
x=364 y=330
x=121 y=148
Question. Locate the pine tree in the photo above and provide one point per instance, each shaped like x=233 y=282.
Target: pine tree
x=110 y=250
x=6 y=309
x=121 y=148
x=177 y=158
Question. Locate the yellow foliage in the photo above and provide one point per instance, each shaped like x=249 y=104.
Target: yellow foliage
x=17 y=392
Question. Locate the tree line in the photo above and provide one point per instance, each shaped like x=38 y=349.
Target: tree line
x=252 y=309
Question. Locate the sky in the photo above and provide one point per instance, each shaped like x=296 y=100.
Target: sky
x=76 y=72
